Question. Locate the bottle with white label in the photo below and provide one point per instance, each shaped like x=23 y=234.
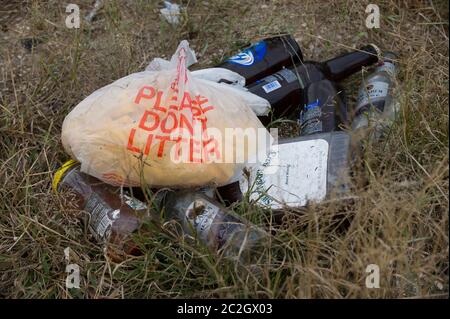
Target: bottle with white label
x=376 y=105
x=297 y=171
x=212 y=224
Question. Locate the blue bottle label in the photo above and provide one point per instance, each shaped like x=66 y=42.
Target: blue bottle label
x=310 y=118
x=251 y=55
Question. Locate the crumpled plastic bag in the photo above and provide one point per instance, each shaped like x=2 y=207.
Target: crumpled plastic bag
x=164 y=127
x=171 y=12
x=220 y=75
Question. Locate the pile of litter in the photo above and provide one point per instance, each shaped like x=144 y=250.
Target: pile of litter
x=191 y=136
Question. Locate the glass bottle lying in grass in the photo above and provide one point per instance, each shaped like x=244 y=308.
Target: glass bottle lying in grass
x=114 y=217
x=111 y=215
x=215 y=226
x=377 y=105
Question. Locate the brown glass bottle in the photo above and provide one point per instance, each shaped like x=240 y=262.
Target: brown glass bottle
x=264 y=57
x=221 y=230
x=112 y=217
x=311 y=87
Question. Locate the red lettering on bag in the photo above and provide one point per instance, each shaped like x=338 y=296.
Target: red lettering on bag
x=173 y=102
x=143 y=95
x=214 y=149
x=208 y=108
x=157 y=105
x=164 y=128
x=148 y=145
x=142 y=123
x=178 y=147
x=193 y=149
x=204 y=130
x=186 y=123
x=163 y=140
x=203 y=120
x=203 y=100
x=130 y=142
x=196 y=111
x=172 y=118
x=186 y=101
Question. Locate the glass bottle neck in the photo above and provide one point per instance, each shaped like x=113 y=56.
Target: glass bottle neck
x=347 y=64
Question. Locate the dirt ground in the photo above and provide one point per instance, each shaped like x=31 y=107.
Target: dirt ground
x=398 y=220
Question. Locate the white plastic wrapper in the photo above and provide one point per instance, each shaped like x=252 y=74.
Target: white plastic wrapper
x=164 y=127
x=220 y=74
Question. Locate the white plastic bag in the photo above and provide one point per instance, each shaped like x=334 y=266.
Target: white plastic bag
x=171 y=12
x=259 y=105
x=164 y=127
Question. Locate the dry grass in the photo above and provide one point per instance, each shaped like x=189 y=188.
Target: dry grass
x=399 y=220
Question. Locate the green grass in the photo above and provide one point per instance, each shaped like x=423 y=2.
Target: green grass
x=398 y=221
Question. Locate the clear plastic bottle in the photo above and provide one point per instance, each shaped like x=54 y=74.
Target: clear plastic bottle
x=377 y=106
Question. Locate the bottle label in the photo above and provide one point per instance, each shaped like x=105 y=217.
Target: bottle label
x=102 y=216
x=226 y=228
x=370 y=92
x=272 y=86
x=287 y=75
x=283 y=75
x=201 y=214
x=134 y=203
x=292 y=174
x=310 y=119
x=387 y=67
x=251 y=55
